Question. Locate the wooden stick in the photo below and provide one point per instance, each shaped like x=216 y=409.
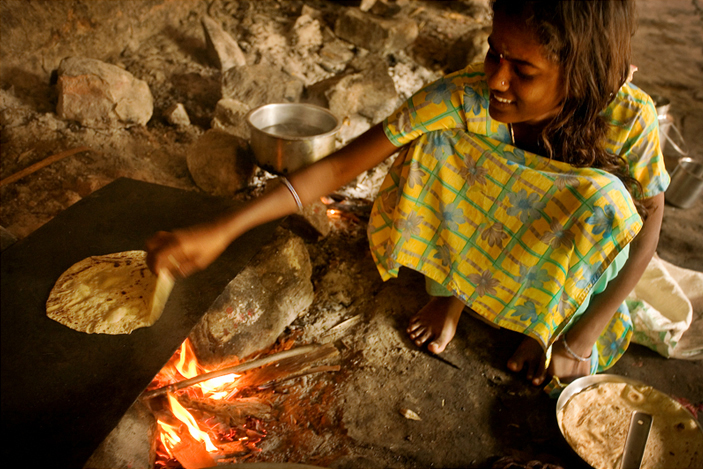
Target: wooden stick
x=39 y=165
x=300 y=374
x=232 y=369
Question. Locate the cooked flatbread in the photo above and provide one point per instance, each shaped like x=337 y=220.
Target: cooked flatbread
x=111 y=294
x=596 y=420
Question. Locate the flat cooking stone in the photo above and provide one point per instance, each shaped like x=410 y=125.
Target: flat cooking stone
x=64 y=391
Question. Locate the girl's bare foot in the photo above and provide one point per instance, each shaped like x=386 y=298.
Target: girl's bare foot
x=436 y=322
x=529 y=355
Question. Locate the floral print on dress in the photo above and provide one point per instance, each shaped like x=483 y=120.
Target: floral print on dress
x=526 y=312
x=610 y=344
x=516 y=156
x=533 y=277
x=444 y=254
x=602 y=221
x=527 y=207
x=409 y=226
x=494 y=234
x=484 y=282
x=473 y=173
x=440 y=92
x=416 y=175
x=558 y=236
x=452 y=216
x=474 y=101
x=566 y=180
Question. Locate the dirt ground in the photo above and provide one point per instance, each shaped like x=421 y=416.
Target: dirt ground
x=470 y=416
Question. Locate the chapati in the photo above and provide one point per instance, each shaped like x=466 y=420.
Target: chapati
x=111 y=294
x=596 y=420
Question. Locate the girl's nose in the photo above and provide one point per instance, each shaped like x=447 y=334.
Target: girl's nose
x=500 y=79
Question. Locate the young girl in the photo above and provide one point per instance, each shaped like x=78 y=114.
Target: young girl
x=516 y=192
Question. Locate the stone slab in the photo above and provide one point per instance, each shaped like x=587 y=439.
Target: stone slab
x=64 y=391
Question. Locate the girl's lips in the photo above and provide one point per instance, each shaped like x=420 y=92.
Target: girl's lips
x=499 y=100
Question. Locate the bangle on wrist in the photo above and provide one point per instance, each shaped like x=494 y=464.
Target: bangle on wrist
x=572 y=353
x=292 y=192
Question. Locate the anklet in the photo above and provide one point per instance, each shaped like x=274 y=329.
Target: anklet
x=572 y=353
x=293 y=192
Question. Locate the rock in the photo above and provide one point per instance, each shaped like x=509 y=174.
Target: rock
x=312 y=12
x=100 y=95
x=220 y=164
x=223 y=50
x=335 y=55
x=384 y=9
x=366 y=5
x=352 y=127
x=375 y=33
x=311 y=223
x=130 y=445
x=7 y=239
x=259 y=84
x=255 y=308
x=177 y=115
x=230 y=117
x=370 y=92
x=307 y=33
x=469 y=48
x=408 y=78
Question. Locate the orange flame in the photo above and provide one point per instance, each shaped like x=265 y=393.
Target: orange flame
x=169 y=435
x=184 y=365
x=186 y=417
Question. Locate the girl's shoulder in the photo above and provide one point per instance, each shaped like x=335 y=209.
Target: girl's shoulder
x=631 y=110
x=472 y=77
x=634 y=135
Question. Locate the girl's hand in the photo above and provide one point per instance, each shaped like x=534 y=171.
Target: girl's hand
x=564 y=366
x=184 y=252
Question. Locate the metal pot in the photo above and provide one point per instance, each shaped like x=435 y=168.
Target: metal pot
x=288 y=136
x=686 y=185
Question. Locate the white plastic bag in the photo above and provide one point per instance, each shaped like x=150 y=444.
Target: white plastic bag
x=667 y=310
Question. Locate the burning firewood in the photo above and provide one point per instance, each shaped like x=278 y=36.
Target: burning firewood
x=192 y=454
x=218 y=413
x=292 y=360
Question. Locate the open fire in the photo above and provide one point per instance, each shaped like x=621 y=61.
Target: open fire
x=206 y=433
x=208 y=416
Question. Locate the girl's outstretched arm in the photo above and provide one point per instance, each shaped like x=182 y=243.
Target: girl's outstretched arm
x=185 y=251
x=584 y=333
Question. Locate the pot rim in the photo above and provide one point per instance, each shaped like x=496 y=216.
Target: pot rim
x=337 y=120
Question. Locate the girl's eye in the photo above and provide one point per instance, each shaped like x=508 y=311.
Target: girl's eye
x=492 y=56
x=523 y=76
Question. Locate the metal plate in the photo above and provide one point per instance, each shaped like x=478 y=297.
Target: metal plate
x=63 y=391
x=581 y=384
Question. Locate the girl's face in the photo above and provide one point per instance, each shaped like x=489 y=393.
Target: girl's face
x=525 y=86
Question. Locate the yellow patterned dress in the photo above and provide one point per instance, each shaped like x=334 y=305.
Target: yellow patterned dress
x=521 y=239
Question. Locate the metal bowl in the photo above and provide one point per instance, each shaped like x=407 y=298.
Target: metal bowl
x=586 y=382
x=289 y=136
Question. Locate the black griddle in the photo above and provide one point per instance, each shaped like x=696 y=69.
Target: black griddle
x=63 y=391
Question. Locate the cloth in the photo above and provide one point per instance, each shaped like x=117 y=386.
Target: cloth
x=460 y=101
x=521 y=239
x=614 y=340
x=667 y=310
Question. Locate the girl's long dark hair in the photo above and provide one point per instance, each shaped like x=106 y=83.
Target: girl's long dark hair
x=590 y=40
